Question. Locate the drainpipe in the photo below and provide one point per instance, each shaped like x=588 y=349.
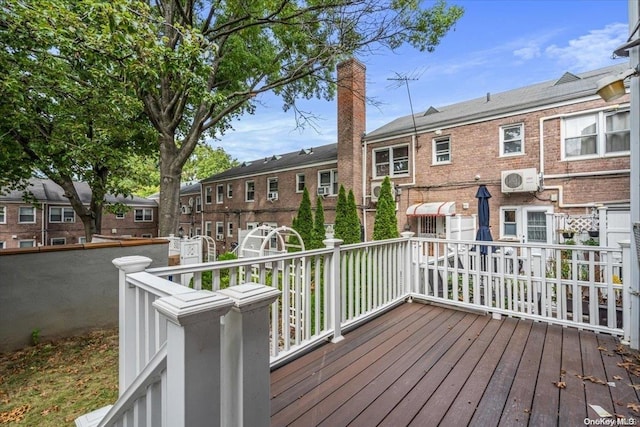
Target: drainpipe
x=364 y=187
x=43 y=227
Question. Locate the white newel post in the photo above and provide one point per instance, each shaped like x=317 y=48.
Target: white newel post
x=407 y=273
x=627 y=327
x=127 y=318
x=246 y=379
x=193 y=357
x=335 y=297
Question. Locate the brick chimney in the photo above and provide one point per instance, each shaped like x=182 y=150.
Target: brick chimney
x=351 y=125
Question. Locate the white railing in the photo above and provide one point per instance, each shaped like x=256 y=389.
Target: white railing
x=578 y=286
x=308 y=297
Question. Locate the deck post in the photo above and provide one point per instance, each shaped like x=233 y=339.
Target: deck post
x=407 y=272
x=335 y=296
x=127 y=318
x=627 y=328
x=246 y=381
x=193 y=357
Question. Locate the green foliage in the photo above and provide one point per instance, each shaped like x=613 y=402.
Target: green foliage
x=206 y=161
x=35 y=336
x=319 y=232
x=353 y=221
x=303 y=222
x=386 y=223
x=341 y=227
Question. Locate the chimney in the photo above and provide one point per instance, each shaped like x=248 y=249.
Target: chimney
x=351 y=124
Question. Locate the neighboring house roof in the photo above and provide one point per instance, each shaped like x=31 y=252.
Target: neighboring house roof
x=190 y=189
x=45 y=190
x=293 y=160
x=562 y=89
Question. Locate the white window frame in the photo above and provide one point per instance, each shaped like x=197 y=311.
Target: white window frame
x=144 y=216
x=272 y=185
x=219 y=228
x=521 y=216
x=198 y=204
x=82 y=240
x=300 y=183
x=63 y=216
x=3 y=215
x=391 y=162
x=219 y=194
x=229 y=229
x=32 y=241
x=208 y=195
x=33 y=210
x=246 y=191
x=333 y=181
x=120 y=215
x=436 y=153
x=207 y=228
x=252 y=225
x=55 y=241
x=600 y=135
x=504 y=140
x=197 y=231
x=229 y=190
x=3 y=244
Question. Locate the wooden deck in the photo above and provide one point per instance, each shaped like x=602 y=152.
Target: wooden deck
x=424 y=365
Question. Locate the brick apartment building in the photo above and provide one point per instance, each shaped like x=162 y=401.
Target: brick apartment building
x=49 y=218
x=542 y=150
x=549 y=148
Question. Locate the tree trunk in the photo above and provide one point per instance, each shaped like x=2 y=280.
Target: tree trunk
x=169 y=202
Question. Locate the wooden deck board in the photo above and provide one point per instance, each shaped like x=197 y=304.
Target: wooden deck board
x=426 y=365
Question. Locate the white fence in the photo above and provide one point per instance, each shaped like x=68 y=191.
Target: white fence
x=308 y=297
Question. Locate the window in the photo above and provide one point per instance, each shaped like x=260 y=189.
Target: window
x=249 y=191
x=328 y=179
x=391 y=161
x=55 y=241
x=198 y=204
x=198 y=231
x=230 y=229
x=525 y=222
x=26 y=215
x=207 y=195
x=143 y=215
x=272 y=188
x=57 y=214
x=207 y=228
x=82 y=240
x=26 y=243
x=219 y=193
x=300 y=183
x=512 y=140
x=146 y=235
x=596 y=135
x=119 y=215
x=441 y=150
x=2 y=244
x=3 y=215
x=219 y=230
x=229 y=191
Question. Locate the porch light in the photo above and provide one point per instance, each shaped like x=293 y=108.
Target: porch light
x=612 y=87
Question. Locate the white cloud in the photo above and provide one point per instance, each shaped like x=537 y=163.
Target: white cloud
x=527 y=53
x=589 y=51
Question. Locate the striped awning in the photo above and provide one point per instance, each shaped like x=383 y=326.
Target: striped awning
x=432 y=209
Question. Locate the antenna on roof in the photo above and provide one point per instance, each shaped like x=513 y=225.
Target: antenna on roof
x=400 y=79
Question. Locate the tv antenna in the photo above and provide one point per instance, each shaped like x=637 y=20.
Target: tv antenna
x=401 y=79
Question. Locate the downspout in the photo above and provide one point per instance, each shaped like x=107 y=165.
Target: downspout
x=364 y=186
x=43 y=228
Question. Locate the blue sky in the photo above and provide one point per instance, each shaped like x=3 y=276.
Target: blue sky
x=496 y=46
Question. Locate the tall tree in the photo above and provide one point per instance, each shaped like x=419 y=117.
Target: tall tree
x=353 y=221
x=341 y=225
x=210 y=60
x=64 y=114
x=385 y=225
x=303 y=222
x=319 y=232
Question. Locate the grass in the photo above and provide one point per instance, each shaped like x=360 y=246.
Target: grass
x=51 y=384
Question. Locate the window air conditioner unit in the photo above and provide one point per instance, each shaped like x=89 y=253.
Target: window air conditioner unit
x=375 y=190
x=186 y=209
x=519 y=181
x=323 y=191
x=68 y=219
x=219 y=237
x=273 y=195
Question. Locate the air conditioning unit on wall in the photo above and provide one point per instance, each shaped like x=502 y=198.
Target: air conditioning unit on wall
x=186 y=209
x=375 y=190
x=520 y=181
x=273 y=195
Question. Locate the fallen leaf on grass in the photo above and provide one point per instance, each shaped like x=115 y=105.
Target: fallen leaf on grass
x=560 y=384
x=14 y=415
x=47 y=411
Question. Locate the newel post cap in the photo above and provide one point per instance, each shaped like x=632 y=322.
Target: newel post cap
x=250 y=296
x=192 y=307
x=132 y=264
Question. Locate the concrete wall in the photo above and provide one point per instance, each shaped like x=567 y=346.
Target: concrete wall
x=64 y=290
